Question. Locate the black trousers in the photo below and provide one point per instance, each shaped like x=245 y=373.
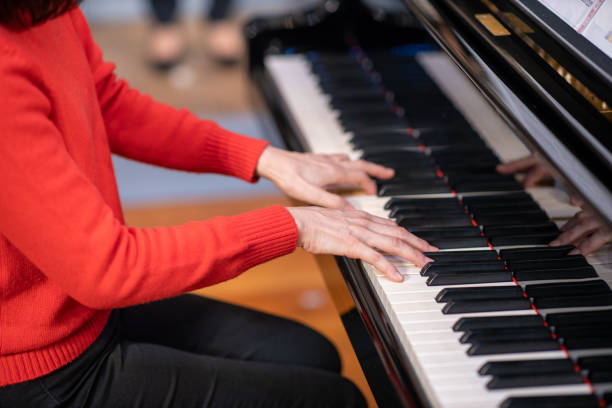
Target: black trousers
x=164 y=11
x=191 y=351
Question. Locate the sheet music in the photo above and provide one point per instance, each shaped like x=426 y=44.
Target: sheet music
x=591 y=18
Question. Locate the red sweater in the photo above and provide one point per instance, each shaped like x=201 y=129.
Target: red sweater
x=66 y=257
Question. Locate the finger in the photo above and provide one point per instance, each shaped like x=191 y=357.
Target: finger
x=376 y=259
x=372 y=169
x=517 y=166
x=579 y=218
x=575 y=220
x=392 y=245
x=362 y=180
x=339 y=157
x=365 y=217
x=316 y=195
x=576 y=233
x=593 y=242
x=536 y=174
x=576 y=200
x=401 y=233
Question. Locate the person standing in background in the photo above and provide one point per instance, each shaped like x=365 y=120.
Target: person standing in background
x=223 y=41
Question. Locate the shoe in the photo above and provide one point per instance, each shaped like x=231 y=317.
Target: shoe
x=224 y=42
x=167 y=46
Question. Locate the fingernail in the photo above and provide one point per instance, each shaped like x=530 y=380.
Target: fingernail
x=433 y=248
x=554 y=243
x=427 y=260
x=575 y=251
x=398 y=276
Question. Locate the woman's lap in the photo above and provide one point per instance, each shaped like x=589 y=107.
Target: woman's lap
x=191 y=351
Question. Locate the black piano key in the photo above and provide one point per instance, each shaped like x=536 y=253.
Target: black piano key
x=399 y=156
x=527 y=208
x=458 y=177
x=408 y=203
x=507 y=198
x=569 y=261
x=473 y=293
x=462 y=256
x=492 y=322
x=505 y=334
x=464 y=153
x=598 y=377
x=382 y=148
x=568 y=289
x=508 y=347
x=372 y=145
x=447 y=232
x=405 y=217
x=535 y=253
x=485 y=305
x=583 y=330
x=512 y=219
x=428 y=174
x=527 y=239
x=587 y=343
x=476 y=168
x=506 y=212
x=466 y=187
x=456 y=243
x=595 y=362
x=442 y=266
x=441 y=221
x=552 y=401
x=608 y=398
x=577 y=318
x=459 y=278
x=413 y=188
x=574 y=301
x=533 y=380
x=547 y=227
x=582 y=272
x=520 y=367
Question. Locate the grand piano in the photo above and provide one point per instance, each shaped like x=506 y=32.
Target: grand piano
x=443 y=91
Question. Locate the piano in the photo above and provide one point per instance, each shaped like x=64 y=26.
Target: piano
x=443 y=91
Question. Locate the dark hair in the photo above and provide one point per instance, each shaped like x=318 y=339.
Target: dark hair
x=28 y=13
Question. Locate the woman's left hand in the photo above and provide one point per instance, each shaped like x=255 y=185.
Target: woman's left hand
x=306 y=176
x=584 y=230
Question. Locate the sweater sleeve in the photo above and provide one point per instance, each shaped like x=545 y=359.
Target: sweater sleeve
x=53 y=214
x=145 y=130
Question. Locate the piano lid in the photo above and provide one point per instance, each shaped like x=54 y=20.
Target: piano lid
x=550 y=80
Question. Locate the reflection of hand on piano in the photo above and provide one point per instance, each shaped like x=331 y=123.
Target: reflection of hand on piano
x=305 y=176
x=586 y=229
x=531 y=165
x=356 y=234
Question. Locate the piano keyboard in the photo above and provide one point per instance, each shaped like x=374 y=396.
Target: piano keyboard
x=499 y=319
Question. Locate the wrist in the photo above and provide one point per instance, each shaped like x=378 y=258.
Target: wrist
x=268 y=161
x=294 y=212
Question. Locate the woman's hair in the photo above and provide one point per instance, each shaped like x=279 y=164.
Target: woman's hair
x=28 y=13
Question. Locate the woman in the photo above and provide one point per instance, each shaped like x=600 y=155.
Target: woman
x=68 y=263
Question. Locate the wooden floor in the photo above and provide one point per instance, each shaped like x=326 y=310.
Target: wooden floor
x=291 y=286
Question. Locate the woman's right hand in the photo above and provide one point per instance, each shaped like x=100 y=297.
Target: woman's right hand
x=357 y=234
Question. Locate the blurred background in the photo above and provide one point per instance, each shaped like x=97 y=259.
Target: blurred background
x=123 y=28
x=291 y=286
